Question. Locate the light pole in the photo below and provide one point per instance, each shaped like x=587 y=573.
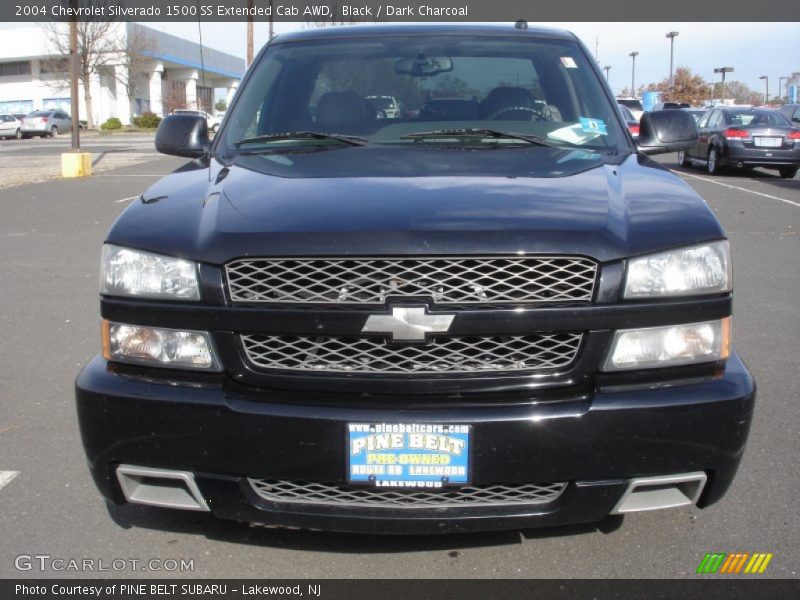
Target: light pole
x=633 y=55
x=671 y=35
x=723 y=70
x=73 y=82
x=607 y=68
x=780 y=85
x=766 y=81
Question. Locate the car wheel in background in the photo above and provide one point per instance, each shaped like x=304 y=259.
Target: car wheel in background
x=53 y=132
x=712 y=166
x=682 y=160
x=788 y=172
x=18 y=134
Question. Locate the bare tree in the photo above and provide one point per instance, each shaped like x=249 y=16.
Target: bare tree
x=96 y=43
x=173 y=96
x=134 y=53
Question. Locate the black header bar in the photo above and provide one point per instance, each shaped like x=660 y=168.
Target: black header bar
x=372 y=11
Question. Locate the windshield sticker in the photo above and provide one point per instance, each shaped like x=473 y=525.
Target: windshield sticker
x=593 y=125
x=568 y=62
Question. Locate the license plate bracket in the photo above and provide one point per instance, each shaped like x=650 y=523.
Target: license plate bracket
x=768 y=142
x=409 y=455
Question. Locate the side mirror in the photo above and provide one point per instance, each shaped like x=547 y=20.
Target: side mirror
x=665 y=131
x=183 y=135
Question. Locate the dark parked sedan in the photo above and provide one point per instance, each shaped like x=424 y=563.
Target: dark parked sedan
x=631 y=121
x=746 y=137
x=791 y=112
x=697 y=113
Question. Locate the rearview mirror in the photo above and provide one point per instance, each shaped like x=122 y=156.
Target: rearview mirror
x=423 y=66
x=665 y=131
x=183 y=135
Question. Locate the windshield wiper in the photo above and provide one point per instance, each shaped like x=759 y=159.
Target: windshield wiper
x=351 y=140
x=479 y=134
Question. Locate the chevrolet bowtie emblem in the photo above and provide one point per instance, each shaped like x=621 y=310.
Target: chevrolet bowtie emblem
x=408 y=323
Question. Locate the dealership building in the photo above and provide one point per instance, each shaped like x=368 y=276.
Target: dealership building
x=167 y=72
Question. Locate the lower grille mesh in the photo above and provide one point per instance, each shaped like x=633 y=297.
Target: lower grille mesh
x=355 y=354
x=303 y=492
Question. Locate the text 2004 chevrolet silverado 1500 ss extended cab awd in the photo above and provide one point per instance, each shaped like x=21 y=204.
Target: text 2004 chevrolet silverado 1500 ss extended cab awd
x=490 y=311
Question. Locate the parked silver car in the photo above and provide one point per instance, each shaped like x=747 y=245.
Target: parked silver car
x=10 y=126
x=46 y=123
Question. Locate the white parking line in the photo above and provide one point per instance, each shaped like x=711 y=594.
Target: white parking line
x=125 y=200
x=736 y=187
x=132 y=175
x=6 y=477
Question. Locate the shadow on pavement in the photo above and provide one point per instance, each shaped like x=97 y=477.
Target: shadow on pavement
x=129 y=516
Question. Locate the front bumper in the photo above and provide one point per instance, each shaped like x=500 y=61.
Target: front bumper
x=225 y=433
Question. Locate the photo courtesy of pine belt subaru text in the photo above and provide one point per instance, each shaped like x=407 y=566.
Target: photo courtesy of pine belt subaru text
x=422 y=280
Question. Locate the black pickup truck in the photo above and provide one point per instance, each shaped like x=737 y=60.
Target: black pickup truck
x=496 y=315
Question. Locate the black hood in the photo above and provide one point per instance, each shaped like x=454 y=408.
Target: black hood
x=389 y=201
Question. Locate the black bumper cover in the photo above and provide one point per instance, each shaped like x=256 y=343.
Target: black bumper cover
x=224 y=434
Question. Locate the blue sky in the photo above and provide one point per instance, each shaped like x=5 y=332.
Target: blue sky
x=753 y=49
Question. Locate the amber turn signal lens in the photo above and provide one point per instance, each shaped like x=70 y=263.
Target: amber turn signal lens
x=104 y=333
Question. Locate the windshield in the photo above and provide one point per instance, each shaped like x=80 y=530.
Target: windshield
x=758 y=118
x=543 y=89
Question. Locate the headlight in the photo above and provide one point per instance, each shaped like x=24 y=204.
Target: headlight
x=704 y=269
x=670 y=346
x=158 y=347
x=128 y=272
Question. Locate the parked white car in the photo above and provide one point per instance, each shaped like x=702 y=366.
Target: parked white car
x=10 y=126
x=213 y=122
x=634 y=105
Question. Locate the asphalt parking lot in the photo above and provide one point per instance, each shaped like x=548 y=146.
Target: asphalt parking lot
x=37 y=159
x=50 y=237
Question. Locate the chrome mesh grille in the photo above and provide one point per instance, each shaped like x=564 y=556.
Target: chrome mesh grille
x=303 y=492
x=353 y=354
x=445 y=280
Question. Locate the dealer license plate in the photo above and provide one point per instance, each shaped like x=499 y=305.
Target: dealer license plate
x=408 y=455
x=768 y=142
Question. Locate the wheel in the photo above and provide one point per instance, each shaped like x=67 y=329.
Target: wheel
x=18 y=134
x=788 y=172
x=53 y=132
x=682 y=160
x=712 y=166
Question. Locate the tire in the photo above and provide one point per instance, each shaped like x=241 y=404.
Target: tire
x=682 y=160
x=53 y=132
x=712 y=165
x=18 y=135
x=788 y=172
